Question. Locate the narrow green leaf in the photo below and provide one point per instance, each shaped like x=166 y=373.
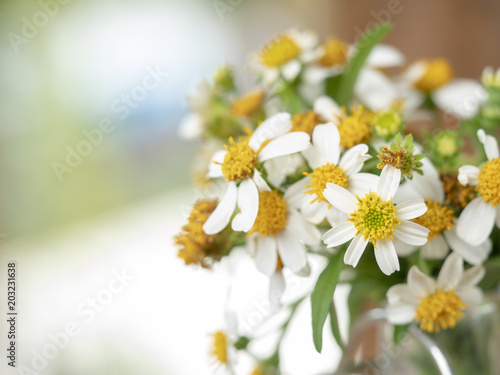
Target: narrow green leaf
x=364 y=47
x=322 y=296
x=334 y=323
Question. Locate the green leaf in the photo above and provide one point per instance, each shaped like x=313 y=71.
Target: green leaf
x=400 y=333
x=364 y=47
x=322 y=297
x=334 y=323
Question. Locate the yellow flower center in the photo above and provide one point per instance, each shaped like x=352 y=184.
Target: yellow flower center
x=249 y=104
x=489 y=182
x=195 y=245
x=442 y=310
x=374 y=218
x=446 y=146
x=335 y=52
x=327 y=173
x=354 y=129
x=271 y=217
x=279 y=51
x=305 y=122
x=220 y=343
x=437 y=219
x=239 y=161
x=437 y=73
x=388 y=123
x=457 y=195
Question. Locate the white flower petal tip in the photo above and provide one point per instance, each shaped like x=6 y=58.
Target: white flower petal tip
x=385 y=56
x=339 y=234
x=221 y=216
x=386 y=257
x=340 y=198
x=461 y=97
x=389 y=182
x=248 y=203
x=476 y=222
x=273 y=127
x=326 y=108
x=355 y=250
x=304 y=271
x=411 y=209
x=468 y=174
x=490 y=144
x=284 y=145
x=400 y=314
x=411 y=233
x=451 y=272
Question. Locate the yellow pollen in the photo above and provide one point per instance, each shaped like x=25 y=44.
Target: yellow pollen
x=489 y=182
x=437 y=73
x=248 y=104
x=374 y=218
x=457 y=195
x=271 y=217
x=354 y=129
x=335 y=52
x=442 y=310
x=327 y=173
x=437 y=219
x=305 y=122
x=395 y=158
x=279 y=51
x=239 y=161
x=220 y=343
x=195 y=245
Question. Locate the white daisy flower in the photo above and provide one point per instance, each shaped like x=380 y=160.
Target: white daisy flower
x=374 y=218
x=435 y=305
x=237 y=164
x=285 y=55
x=460 y=97
x=439 y=219
x=478 y=218
x=280 y=229
x=323 y=156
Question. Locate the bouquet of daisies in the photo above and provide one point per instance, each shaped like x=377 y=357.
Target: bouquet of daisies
x=389 y=171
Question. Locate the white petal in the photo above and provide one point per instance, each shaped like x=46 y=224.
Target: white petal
x=451 y=272
x=401 y=293
x=292 y=253
x=490 y=144
x=326 y=141
x=291 y=70
x=215 y=167
x=341 y=198
x=386 y=256
x=191 y=126
x=361 y=183
x=335 y=216
x=248 y=203
x=294 y=194
x=259 y=181
x=375 y=89
x=355 y=250
x=314 y=212
x=460 y=97
x=301 y=229
x=219 y=219
x=468 y=174
x=327 y=108
x=277 y=286
x=273 y=127
x=472 y=276
x=313 y=157
x=411 y=233
x=471 y=254
x=471 y=296
x=402 y=248
x=435 y=249
x=411 y=209
x=266 y=256
x=385 y=56
x=353 y=159
x=400 y=314
x=476 y=222
x=389 y=182
x=420 y=284
x=284 y=145
x=339 y=234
